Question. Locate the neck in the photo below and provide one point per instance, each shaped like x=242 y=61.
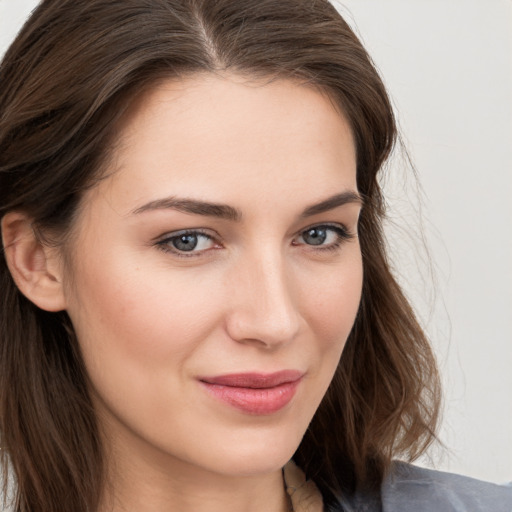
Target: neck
x=155 y=492
x=159 y=484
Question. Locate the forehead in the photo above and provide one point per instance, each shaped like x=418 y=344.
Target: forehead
x=227 y=136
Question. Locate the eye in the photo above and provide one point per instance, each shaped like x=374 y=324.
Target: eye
x=183 y=242
x=323 y=237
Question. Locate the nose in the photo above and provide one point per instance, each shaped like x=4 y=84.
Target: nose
x=262 y=306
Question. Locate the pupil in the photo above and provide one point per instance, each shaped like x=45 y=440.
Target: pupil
x=185 y=242
x=315 y=236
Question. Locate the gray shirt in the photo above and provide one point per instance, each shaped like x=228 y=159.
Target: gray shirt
x=413 y=489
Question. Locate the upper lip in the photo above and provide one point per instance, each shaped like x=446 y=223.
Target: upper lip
x=254 y=379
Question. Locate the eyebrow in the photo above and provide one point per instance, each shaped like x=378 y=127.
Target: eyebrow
x=333 y=202
x=224 y=211
x=221 y=211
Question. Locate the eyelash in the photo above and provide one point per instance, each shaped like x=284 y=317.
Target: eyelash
x=165 y=244
x=341 y=232
x=342 y=235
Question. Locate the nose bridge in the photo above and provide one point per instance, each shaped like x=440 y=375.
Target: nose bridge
x=263 y=308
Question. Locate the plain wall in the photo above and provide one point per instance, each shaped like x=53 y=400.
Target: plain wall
x=448 y=66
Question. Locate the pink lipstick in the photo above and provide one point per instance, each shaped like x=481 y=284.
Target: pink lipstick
x=254 y=393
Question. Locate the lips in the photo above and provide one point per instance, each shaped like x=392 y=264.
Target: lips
x=254 y=393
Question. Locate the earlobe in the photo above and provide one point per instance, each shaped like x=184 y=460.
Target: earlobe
x=35 y=267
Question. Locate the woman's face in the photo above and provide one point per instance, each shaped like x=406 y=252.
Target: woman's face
x=216 y=273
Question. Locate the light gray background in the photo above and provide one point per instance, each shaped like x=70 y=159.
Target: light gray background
x=448 y=66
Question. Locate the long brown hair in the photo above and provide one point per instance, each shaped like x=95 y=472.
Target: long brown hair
x=64 y=85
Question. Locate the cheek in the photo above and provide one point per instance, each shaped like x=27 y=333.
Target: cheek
x=333 y=303
x=140 y=333
x=134 y=317
x=331 y=300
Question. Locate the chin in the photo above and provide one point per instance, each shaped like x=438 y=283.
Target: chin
x=247 y=454
x=253 y=463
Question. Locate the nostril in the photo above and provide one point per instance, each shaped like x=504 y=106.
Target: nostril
x=267 y=330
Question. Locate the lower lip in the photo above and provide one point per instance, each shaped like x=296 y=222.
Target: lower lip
x=255 y=400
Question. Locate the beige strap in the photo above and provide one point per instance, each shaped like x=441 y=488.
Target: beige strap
x=303 y=493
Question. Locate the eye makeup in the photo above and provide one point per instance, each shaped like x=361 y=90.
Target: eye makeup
x=196 y=242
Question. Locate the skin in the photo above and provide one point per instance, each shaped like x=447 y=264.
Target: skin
x=254 y=296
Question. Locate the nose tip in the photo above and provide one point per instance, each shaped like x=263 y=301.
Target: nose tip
x=263 y=310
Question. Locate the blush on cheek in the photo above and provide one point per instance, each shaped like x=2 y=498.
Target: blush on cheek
x=333 y=308
x=150 y=320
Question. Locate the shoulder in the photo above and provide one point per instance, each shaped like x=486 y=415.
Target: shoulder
x=410 y=487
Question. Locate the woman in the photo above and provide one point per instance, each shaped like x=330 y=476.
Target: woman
x=195 y=286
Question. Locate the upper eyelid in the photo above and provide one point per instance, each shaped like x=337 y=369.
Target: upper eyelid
x=208 y=232
x=215 y=236
x=323 y=224
x=332 y=225
x=173 y=234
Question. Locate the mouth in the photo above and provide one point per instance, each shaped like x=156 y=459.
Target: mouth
x=254 y=393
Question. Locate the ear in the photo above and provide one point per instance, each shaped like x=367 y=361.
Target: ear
x=35 y=267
